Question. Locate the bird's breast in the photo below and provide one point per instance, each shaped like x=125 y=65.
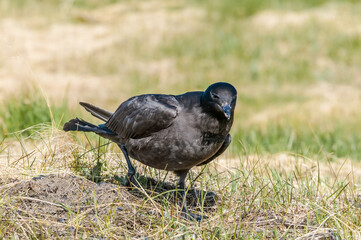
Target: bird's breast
x=175 y=150
x=212 y=138
x=190 y=140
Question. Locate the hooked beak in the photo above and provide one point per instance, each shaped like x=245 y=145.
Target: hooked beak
x=227 y=111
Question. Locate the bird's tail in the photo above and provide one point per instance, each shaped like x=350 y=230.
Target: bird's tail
x=98 y=112
x=77 y=124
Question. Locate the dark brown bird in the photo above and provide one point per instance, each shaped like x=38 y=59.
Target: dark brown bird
x=168 y=132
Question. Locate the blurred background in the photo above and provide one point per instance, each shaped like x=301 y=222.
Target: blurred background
x=296 y=65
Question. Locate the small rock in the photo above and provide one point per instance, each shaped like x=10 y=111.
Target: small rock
x=61 y=220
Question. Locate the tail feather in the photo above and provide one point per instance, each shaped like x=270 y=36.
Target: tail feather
x=77 y=124
x=97 y=112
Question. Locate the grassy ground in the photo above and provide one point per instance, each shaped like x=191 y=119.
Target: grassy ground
x=293 y=168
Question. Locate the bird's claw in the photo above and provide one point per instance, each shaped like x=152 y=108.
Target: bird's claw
x=123 y=181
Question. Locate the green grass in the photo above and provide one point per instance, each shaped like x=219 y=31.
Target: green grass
x=27 y=109
x=304 y=140
x=245 y=8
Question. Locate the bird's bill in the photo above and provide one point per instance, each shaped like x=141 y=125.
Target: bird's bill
x=227 y=111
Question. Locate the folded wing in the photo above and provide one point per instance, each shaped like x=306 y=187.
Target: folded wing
x=143 y=115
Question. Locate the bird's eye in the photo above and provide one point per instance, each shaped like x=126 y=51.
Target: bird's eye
x=215 y=96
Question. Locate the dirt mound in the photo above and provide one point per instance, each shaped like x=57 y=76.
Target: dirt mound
x=70 y=206
x=74 y=207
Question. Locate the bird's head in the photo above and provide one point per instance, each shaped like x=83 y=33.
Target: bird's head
x=220 y=99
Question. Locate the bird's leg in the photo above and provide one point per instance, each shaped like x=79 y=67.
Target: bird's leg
x=182 y=177
x=185 y=213
x=131 y=170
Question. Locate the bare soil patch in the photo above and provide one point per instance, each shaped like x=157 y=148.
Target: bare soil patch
x=56 y=203
x=71 y=206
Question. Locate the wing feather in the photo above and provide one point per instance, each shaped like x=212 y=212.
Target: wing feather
x=143 y=115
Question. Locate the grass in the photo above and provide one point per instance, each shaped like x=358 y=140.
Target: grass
x=292 y=171
x=304 y=140
x=30 y=108
x=254 y=200
x=246 y=8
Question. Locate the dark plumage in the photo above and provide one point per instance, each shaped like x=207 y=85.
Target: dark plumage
x=168 y=132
